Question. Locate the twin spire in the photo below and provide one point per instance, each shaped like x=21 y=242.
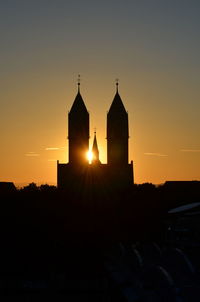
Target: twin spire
x=79 y=110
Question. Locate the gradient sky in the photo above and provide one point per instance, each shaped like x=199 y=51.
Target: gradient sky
x=152 y=46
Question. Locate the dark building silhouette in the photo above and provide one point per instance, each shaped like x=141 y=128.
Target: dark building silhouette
x=117 y=132
x=78 y=131
x=117 y=173
x=7 y=187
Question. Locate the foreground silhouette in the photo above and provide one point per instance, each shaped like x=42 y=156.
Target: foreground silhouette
x=53 y=240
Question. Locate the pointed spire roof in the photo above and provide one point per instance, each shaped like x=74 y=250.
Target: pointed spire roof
x=78 y=104
x=95 y=146
x=117 y=105
x=95 y=149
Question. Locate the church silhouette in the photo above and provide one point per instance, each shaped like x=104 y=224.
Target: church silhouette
x=78 y=172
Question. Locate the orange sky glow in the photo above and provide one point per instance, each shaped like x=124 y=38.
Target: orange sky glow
x=152 y=47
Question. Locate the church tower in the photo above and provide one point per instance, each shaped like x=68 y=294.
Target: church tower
x=78 y=174
x=78 y=131
x=117 y=132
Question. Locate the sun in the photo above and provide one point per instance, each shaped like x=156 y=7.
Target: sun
x=89 y=155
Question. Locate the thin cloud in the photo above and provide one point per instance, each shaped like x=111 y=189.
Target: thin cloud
x=52 y=148
x=155 y=154
x=190 y=150
x=33 y=154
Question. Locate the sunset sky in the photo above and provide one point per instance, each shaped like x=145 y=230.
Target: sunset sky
x=152 y=46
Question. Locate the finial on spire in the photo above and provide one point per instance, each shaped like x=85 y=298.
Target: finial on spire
x=117 y=84
x=95 y=130
x=79 y=82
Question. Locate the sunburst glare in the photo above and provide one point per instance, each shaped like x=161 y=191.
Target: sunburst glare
x=89 y=156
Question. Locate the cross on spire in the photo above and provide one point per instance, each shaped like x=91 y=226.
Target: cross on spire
x=79 y=82
x=117 y=84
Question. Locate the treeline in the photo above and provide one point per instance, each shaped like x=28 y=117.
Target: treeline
x=134 y=212
x=40 y=224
